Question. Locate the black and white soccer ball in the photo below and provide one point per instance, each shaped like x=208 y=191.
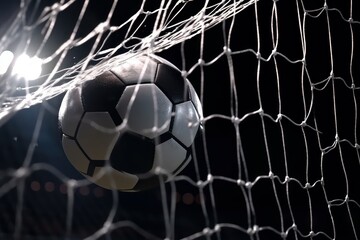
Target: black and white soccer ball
x=130 y=124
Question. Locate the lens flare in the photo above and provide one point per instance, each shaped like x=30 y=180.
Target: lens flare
x=6 y=58
x=27 y=67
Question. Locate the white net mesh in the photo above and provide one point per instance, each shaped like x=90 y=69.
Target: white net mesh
x=279 y=85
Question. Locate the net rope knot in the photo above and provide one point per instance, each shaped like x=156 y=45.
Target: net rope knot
x=261 y=112
x=22 y=172
x=303 y=124
x=235 y=120
x=71 y=183
x=55 y=9
x=240 y=182
x=184 y=74
x=322 y=181
x=249 y=185
x=210 y=178
x=102 y=27
x=325 y=7
x=207 y=231
x=255 y=229
x=200 y=183
x=201 y=62
x=274 y=52
x=287 y=179
x=303 y=61
x=227 y=50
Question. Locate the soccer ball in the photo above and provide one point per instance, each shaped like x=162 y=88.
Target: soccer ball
x=131 y=124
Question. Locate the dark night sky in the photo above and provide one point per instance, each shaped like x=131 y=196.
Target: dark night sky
x=44 y=211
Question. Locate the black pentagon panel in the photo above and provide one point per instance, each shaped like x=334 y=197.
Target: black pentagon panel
x=163 y=137
x=170 y=81
x=93 y=164
x=102 y=93
x=133 y=154
x=130 y=71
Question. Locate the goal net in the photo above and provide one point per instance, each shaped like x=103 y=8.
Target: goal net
x=279 y=86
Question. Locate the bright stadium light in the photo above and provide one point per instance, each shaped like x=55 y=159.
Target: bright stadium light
x=27 y=67
x=6 y=58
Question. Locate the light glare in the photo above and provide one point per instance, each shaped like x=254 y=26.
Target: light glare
x=6 y=58
x=27 y=68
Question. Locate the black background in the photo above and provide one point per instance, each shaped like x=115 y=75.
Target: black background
x=44 y=213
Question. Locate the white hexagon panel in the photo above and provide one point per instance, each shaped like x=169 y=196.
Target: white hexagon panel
x=195 y=99
x=70 y=112
x=75 y=155
x=97 y=135
x=132 y=72
x=113 y=179
x=169 y=156
x=185 y=123
x=148 y=108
